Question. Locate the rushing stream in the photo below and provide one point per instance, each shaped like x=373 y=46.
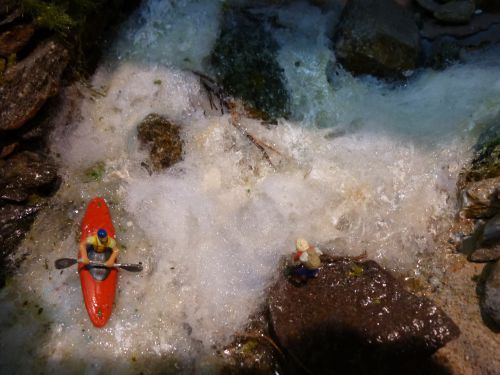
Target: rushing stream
x=363 y=166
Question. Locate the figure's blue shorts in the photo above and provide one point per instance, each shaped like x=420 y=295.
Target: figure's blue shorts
x=306 y=272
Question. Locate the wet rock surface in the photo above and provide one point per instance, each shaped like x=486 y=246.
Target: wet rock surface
x=24 y=174
x=162 y=139
x=455 y=12
x=15 y=39
x=244 y=62
x=356 y=318
x=479 y=191
x=480 y=199
x=489 y=294
x=26 y=86
x=15 y=220
x=35 y=51
x=377 y=37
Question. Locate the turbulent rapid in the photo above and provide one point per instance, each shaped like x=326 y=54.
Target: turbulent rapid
x=360 y=166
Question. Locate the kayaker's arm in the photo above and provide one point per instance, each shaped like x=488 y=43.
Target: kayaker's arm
x=83 y=252
x=111 y=261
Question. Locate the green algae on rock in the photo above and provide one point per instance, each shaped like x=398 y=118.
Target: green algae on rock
x=162 y=139
x=244 y=61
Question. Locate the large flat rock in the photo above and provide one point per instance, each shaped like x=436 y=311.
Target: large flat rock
x=353 y=317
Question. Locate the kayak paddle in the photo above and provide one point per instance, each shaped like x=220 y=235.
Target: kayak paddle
x=68 y=262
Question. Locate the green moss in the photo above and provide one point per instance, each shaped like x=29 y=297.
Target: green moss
x=95 y=173
x=11 y=61
x=249 y=347
x=60 y=16
x=356 y=271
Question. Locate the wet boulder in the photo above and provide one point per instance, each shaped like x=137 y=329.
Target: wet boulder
x=480 y=199
x=27 y=85
x=244 y=63
x=378 y=37
x=489 y=5
x=15 y=39
x=161 y=137
x=489 y=295
x=26 y=173
x=479 y=184
x=356 y=318
x=488 y=241
x=455 y=12
x=15 y=220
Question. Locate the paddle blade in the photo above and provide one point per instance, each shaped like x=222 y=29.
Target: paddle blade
x=131 y=267
x=65 y=263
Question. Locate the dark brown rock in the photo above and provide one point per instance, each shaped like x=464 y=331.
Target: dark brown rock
x=377 y=37
x=15 y=39
x=480 y=199
x=162 y=139
x=429 y=5
x=489 y=295
x=356 y=318
x=28 y=84
x=9 y=11
x=489 y=5
x=24 y=174
x=431 y=29
x=488 y=241
x=484 y=255
x=455 y=12
x=15 y=220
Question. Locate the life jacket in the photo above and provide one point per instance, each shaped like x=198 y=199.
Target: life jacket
x=98 y=245
x=313 y=261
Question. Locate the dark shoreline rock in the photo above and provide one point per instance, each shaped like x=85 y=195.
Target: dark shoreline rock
x=488 y=290
x=27 y=85
x=356 y=318
x=377 y=37
x=37 y=61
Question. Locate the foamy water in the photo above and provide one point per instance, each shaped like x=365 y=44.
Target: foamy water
x=362 y=167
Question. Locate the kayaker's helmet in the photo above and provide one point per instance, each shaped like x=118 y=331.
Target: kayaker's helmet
x=102 y=234
x=301 y=244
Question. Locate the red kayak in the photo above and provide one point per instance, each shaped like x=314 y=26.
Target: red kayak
x=98 y=284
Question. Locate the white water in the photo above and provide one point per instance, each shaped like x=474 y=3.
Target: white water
x=365 y=167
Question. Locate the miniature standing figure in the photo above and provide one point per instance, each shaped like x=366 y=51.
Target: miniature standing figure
x=307 y=259
x=99 y=243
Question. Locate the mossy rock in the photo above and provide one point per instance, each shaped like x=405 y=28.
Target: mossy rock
x=244 y=62
x=486 y=163
x=161 y=137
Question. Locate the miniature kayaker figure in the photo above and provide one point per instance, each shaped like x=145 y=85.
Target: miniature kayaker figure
x=307 y=261
x=99 y=243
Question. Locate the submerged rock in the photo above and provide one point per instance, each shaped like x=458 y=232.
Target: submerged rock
x=377 y=37
x=28 y=84
x=489 y=295
x=355 y=317
x=162 y=139
x=244 y=62
x=24 y=174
